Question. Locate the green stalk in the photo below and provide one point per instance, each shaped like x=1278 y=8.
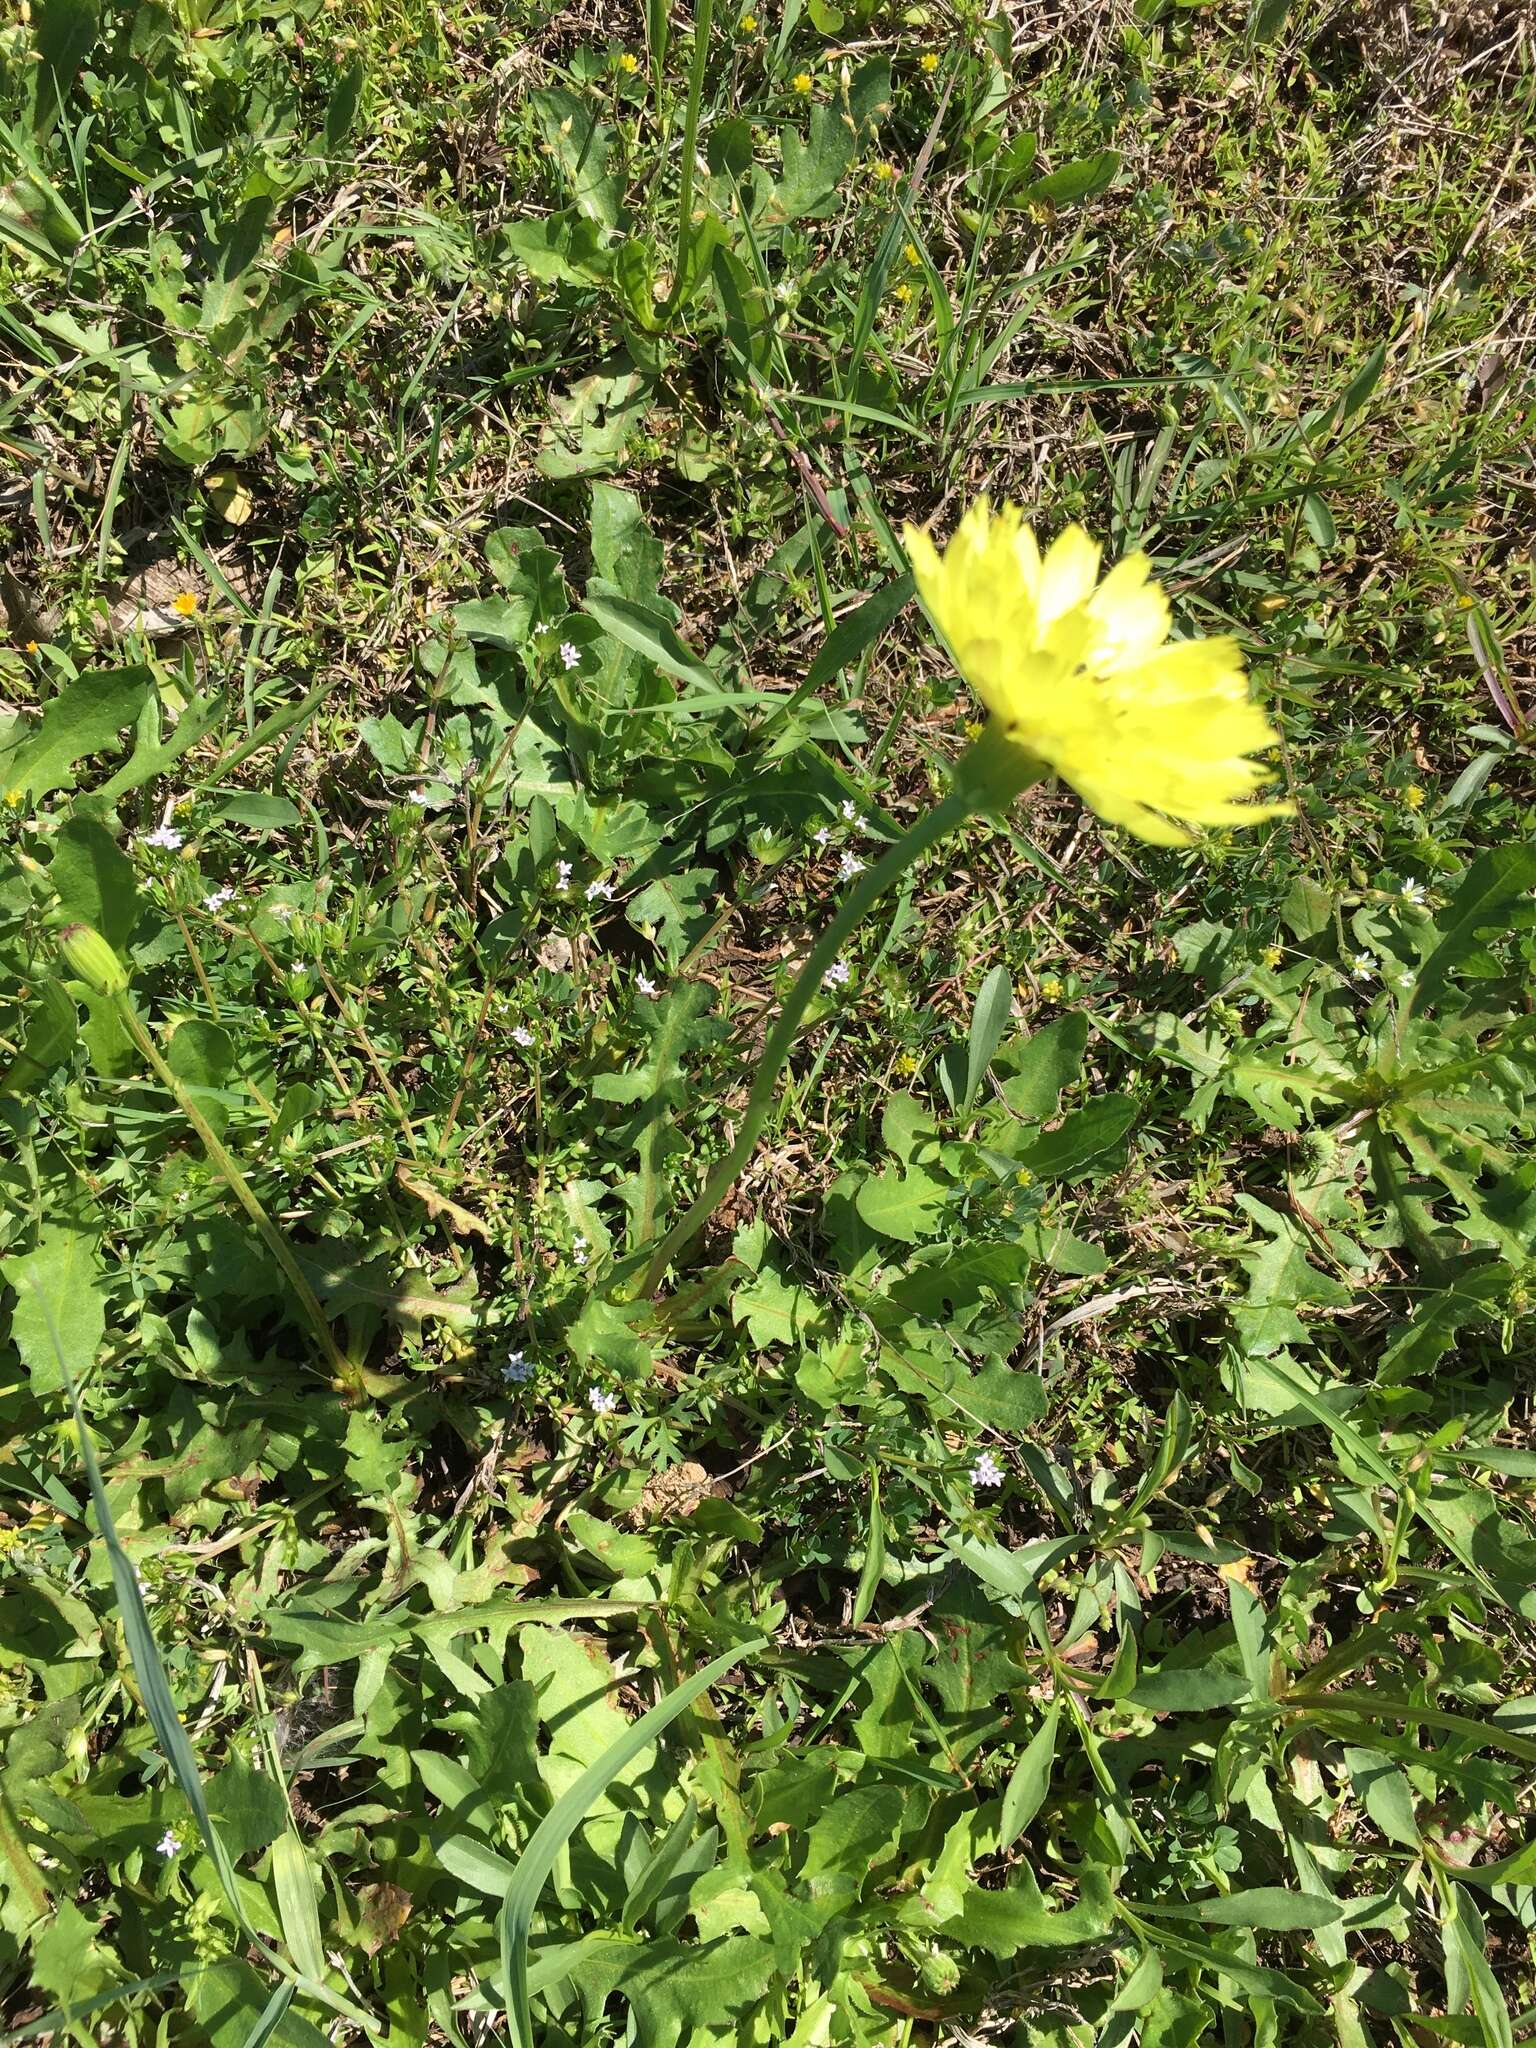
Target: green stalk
x=703 y=11
x=239 y=1186
x=989 y=775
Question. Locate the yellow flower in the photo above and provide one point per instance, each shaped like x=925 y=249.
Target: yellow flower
x=903 y=292
x=749 y=24
x=1273 y=956
x=1052 y=988
x=884 y=171
x=1082 y=675
x=1413 y=797
x=31 y=647
x=802 y=82
x=629 y=61
x=912 y=253
x=929 y=61
x=185 y=602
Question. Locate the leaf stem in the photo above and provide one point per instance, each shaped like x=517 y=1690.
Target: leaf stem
x=951 y=812
x=241 y=1189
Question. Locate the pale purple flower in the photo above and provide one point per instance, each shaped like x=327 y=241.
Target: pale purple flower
x=849 y=810
x=849 y=866
x=601 y=1403
x=562 y=874
x=596 y=889
x=986 y=1471
x=169 y=1843
x=281 y=910
x=838 y=975
x=420 y=798
x=517 y=1369
x=821 y=835
x=579 y=1250
x=646 y=986
x=163 y=835
x=521 y=1035
x=570 y=654
x=218 y=898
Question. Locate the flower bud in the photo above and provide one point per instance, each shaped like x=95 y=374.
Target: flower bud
x=88 y=955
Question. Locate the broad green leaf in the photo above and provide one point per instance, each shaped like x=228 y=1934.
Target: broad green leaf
x=989 y=1020
x=85 y=718
x=59 y=1305
x=904 y=1206
x=1085 y=1137
x=1029 y=1781
x=1040 y=1066
x=1074 y=182
x=1489 y=891
x=651 y=633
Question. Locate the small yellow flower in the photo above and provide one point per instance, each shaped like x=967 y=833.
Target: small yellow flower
x=906 y=1063
x=884 y=171
x=629 y=62
x=1413 y=797
x=15 y=798
x=185 y=604
x=913 y=254
x=1082 y=676
x=31 y=647
x=749 y=24
x=1023 y=1178
x=929 y=61
x=903 y=292
x=802 y=83
x=1051 y=988
x=1272 y=956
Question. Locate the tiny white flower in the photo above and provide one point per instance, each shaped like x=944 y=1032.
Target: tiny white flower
x=601 y=1403
x=986 y=1471
x=169 y=1843
x=579 y=1250
x=562 y=874
x=281 y=910
x=596 y=889
x=821 y=835
x=850 y=811
x=570 y=654
x=521 y=1035
x=218 y=898
x=1361 y=966
x=420 y=797
x=1412 y=892
x=849 y=866
x=163 y=835
x=646 y=986
x=517 y=1369
x=838 y=975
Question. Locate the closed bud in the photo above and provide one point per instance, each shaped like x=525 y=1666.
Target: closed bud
x=87 y=954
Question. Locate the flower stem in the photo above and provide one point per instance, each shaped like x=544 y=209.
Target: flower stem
x=241 y=1189
x=952 y=811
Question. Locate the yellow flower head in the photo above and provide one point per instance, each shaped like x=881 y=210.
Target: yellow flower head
x=185 y=603
x=1082 y=675
x=1413 y=796
x=885 y=171
x=802 y=82
x=749 y=24
x=629 y=61
x=912 y=254
x=31 y=647
x=903 y=291
x=929 y=61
